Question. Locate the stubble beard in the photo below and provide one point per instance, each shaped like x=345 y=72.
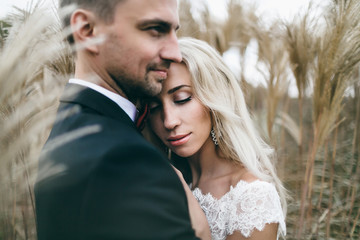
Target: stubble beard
x=153 y=86
x=137 y=89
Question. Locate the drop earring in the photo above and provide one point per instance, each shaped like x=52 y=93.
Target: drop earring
x=168 y=153
x=213 y=136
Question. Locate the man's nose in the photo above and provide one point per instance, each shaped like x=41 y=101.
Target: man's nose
x=171 y=51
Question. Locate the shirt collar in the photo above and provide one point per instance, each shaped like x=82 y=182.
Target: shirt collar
x=123 y=103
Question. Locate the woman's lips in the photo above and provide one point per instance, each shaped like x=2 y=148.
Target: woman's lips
x=178 y=140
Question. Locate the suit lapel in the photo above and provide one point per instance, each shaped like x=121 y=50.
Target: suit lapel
x=90 y=98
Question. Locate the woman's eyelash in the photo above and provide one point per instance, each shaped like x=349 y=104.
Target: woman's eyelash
x=155 y=106
x=184 y=100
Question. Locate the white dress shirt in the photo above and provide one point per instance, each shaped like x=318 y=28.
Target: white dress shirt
x=123 y=103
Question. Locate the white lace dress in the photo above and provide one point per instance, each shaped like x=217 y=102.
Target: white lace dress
x=246 y=207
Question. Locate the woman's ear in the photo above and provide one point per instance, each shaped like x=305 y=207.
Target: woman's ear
x=82 y=26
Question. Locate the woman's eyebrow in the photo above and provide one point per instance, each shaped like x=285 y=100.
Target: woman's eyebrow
x=177 y=88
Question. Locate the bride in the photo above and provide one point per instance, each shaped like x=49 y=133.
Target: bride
x=201 y=116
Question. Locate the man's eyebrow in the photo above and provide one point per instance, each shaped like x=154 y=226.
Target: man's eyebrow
x=164 y=24
x=177 y=88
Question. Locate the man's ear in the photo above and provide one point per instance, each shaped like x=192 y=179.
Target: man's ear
x=82 y=26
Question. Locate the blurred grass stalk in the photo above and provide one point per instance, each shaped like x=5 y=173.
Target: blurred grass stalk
x=34 y=62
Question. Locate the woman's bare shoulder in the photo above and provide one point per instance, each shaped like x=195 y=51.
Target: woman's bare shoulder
x=244 y=175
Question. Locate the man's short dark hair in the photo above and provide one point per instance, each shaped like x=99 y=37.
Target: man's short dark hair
x=104 y=9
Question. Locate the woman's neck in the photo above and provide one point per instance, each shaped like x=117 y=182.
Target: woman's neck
x=209 y=164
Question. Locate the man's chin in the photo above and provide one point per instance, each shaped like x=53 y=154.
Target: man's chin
x=155 y=86
x=150 y=91
x=156 y=91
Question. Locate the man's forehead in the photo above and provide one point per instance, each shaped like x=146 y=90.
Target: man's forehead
x=165 y=11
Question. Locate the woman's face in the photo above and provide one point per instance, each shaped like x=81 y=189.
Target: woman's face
x=178 y=118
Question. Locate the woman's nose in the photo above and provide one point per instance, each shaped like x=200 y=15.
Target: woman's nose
x=171 y=119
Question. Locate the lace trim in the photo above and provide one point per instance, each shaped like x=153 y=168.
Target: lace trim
x=245 y=207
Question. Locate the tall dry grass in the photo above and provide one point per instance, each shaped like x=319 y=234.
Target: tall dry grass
x=34 y=63
x=337 y=55
x=274 y=59
x=301 y=43
x=316 y=134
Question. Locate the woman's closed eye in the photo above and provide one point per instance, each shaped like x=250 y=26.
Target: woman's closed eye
x=177 y=99
x=182 y=101
x=181 y=97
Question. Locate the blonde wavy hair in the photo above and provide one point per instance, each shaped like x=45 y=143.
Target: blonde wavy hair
x=217 y=88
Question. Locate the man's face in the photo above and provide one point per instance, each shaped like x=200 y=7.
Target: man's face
x=140 y=44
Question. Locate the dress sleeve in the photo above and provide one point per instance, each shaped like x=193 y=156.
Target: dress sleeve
x=255 y=205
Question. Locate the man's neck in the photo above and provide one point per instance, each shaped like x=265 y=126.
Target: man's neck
x=87 y=71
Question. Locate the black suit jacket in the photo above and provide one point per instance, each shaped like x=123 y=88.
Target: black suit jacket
x=100 y=179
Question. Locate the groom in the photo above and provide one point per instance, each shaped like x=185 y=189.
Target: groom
x=98 y=178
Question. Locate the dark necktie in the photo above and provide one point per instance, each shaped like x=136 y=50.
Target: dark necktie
x=141 y=117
